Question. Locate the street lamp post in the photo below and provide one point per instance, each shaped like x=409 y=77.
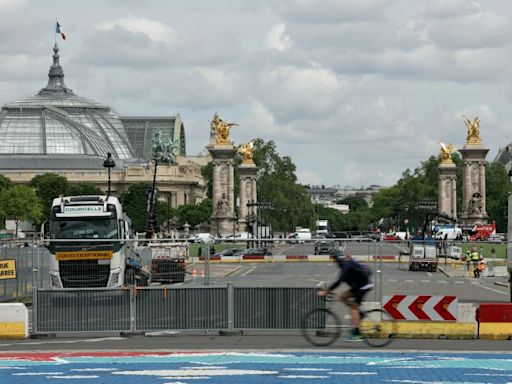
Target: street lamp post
x=151 y=227
x=109 y=163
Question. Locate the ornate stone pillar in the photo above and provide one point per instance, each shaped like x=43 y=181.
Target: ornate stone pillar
x=248 y=194
x=223 y=218
x=473 y=188
x=447 y=189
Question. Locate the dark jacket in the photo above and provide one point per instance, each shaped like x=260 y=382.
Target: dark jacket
x=355 y=274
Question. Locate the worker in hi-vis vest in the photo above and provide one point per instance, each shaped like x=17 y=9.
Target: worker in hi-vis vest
x=475 y=258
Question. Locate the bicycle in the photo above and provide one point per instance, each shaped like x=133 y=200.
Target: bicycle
x=322 y=326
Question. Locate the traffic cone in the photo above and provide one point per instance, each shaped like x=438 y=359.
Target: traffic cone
x=202 y=273
x=194 y=273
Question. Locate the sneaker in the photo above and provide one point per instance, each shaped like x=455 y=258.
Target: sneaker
x=354 y=338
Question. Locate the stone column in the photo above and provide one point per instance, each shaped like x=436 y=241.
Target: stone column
x=248 y=194
x=223 y=218
x=473 y=188
x=447 y=189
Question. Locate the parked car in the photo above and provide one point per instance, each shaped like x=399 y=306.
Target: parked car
x=391 y=237
x=496 y=238
x=253 y=252
x=324 y=247
x=227 y=252
x=239 y=236
x=373 y=236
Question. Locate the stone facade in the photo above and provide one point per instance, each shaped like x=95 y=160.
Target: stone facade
x=473 y=185
x=248 y=194
x=447 y=190
x=223 y=216
x=180 y=183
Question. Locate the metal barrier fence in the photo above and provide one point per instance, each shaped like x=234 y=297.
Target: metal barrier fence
x=160 y=309
x=31 y=263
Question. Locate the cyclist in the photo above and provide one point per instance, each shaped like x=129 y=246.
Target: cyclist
x=357 y=276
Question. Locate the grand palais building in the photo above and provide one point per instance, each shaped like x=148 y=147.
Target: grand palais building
x=57 y=131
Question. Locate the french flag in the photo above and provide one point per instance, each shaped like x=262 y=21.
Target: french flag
x=58 y=29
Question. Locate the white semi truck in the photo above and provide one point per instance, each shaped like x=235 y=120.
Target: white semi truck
x=87 y=237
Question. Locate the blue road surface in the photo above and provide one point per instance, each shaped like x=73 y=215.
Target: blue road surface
x=258 y=368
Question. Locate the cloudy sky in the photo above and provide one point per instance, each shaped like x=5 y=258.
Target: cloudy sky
x=354 y=92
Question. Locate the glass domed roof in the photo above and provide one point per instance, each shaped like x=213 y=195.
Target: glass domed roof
x=56 y=122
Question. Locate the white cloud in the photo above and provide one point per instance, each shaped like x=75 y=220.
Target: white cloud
x=308 y=177
x=154 y=30
x=276 y=38
x=9 y=5
x=354 y=92
x=285 y=90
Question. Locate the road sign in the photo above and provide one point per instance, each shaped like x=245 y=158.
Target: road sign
x=422 y=307
x=7 y=269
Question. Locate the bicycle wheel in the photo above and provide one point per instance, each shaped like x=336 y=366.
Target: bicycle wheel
x=321 y=327
x=377 y=327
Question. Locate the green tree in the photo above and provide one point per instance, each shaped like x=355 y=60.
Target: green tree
x=207 y=173
x=83 y=189
x=135 y=204
x=48 y=187
x=354 y=202
x=194 y=214
x=277 y=184
x=5 y=183
x=497 y=190
x=20 y=203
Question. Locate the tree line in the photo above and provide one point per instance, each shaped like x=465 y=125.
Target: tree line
x=277 y=184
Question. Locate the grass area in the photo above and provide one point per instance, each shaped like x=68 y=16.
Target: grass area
x=486 y=248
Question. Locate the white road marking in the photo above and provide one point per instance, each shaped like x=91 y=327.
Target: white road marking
x=494 y=290
x=65 y=341
x=247 y=272
x=458 y=282
x=442 y=281
x=425 y=281
x=392 y=280
x=409 y=281
x=428 y=273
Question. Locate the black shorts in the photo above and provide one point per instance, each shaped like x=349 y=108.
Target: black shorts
x=359 y=293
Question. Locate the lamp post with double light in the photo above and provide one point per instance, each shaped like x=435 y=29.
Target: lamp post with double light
x=109 y=163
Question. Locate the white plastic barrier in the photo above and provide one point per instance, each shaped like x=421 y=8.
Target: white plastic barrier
x=13 y=321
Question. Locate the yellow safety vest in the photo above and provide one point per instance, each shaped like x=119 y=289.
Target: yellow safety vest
x=475 y=256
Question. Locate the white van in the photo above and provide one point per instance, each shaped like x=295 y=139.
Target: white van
x=302 y=235
x=448 y=233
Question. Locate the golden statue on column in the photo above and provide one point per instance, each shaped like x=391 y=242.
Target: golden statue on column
x=247 y=151
x=446 y=153
x=221 y=129
x=473 y=136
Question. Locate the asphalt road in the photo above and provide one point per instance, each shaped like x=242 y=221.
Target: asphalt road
x=390 y=278
x=249 y=341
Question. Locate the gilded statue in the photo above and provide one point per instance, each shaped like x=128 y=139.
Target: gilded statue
x=247 y=150
x=473 y=136
x=446 y=152
x=221 y=130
